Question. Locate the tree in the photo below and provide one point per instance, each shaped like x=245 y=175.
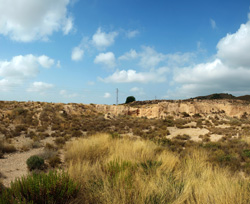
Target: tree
x=130 y=99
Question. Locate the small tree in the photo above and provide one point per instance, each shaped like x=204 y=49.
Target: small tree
x=130 y=99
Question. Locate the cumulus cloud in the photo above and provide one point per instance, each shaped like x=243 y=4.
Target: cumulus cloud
x=21 y=68
x=77 y=54
x=107 y=59
x=132 y=54
x=29 y=20
x=132 y=33
x=107 y=95
x=40 y=87
x=102 y=40
x=45 y=61
x=130 y=76
x=210 y=78
x=234 y=49
x=213 y=23
x=229 y=72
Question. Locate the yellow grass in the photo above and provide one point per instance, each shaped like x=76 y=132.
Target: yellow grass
x=127 y=171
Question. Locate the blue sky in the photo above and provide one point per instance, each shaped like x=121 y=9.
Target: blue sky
x=83 y=50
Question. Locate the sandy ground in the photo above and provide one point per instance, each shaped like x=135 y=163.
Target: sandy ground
x=194 y=133
x=14 y=165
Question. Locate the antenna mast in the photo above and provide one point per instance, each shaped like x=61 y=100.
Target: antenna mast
x=117 y=96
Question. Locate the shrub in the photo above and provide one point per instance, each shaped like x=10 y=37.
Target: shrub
x=7 y=148
x=48 y=153
x=35 y=162
x=1 y=188
x=246 y=153
x=185 y=114
x=130 y=99
x=51 y=188
x=54 y=161
x=60 y=141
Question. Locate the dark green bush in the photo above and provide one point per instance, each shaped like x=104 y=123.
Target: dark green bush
x=130 y=99
x=35 y=162
x=51 y=188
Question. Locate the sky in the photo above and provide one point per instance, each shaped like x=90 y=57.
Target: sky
x=82 y=51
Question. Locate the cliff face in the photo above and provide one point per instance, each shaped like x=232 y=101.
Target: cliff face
x=151 y=109
x=231 y=108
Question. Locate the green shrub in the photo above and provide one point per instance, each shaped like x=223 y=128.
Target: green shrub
x=35 y=162
x=51 y=188
x=246 y=153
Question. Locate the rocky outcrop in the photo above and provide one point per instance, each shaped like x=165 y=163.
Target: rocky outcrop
x=231 y=108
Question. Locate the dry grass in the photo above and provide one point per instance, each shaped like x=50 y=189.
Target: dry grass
x=126 y=171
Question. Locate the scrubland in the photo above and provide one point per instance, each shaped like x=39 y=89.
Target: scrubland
x=122 y=158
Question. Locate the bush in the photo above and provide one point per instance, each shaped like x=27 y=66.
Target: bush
x=51 y=188
x=54 y=161
x=6 y=148
x=130 y=99
x=35 y=162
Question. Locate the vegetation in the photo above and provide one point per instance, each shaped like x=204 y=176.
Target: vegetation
x=130 y=99
x=127 y=159
x=125 y=171
x=35 y=162
x=51 y=188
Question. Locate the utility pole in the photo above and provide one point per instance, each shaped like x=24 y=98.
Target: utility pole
x=117 y=96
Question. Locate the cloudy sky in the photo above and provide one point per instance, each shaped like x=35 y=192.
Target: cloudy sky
x=83 y=50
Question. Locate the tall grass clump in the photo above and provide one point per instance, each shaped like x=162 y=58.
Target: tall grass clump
x=138 y=171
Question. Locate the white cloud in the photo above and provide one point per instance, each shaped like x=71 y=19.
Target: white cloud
x=107 y=59
x=132 y=54
x=40 y=87
x=68 y=26
x=180 y=59
x=65 y=94
x=212 y=77
x=213 y=23
x=150 y=58
x=131 y=76
x=132 y=34
x=45 y=61
x=107 y=95
x=137 y=90
x=22 y=68
x=29 y=20
x=234 y=49
x=102 y=40
x=77 y=54
x=6 y=84
x=229 y=72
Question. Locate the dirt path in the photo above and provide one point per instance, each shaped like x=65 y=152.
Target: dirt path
x=14 y=165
